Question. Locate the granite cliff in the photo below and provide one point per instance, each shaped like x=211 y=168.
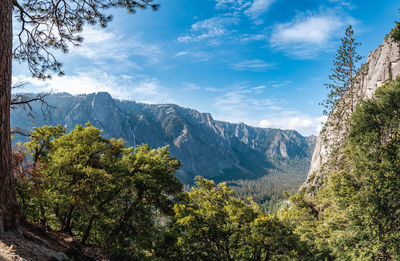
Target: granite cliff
x=383 y=65
x=214 y=149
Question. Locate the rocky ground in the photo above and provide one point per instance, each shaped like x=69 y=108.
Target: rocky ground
x=32 y=243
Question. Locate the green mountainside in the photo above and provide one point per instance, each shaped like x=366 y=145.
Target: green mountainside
x=213 y=149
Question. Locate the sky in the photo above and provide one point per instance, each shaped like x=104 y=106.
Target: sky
x=261 y=62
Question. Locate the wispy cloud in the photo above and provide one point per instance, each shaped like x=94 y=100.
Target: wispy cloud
x=304 y=124
x=257 y=8
x=278 y=84
x=242 y=104
x=308 y=34
x=141 y=88
x=214 y=29
x=101 y=46
x=189 y=86
x=252 y=65
x=210 y=29
x=251 y=8
x=346 y=3
x=200 y=56
x=252 y=105
x=181 y=53
x=252 y=37
x=232 y=4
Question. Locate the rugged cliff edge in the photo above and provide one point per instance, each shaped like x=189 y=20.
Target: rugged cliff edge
x=383 y=65
x=213 y=149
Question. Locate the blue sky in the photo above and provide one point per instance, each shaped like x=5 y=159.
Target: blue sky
x=262 y=62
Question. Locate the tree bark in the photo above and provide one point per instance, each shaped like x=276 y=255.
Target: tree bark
x=9 y=211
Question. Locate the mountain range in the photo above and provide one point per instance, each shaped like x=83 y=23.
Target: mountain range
x=207 y=147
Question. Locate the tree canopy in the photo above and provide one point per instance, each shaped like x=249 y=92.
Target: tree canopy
x=342 y=79
x=212 y=224
x=96 y=189
x=42 y=27
x=356 y=215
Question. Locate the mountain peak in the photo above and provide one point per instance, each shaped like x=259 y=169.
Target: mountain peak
x=206 y=147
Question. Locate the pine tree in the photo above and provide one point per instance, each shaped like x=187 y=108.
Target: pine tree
x=43 y=25
x=396 y=32
x=342 y=79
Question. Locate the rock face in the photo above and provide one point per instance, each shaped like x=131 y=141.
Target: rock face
x=383 y=65
x=206 y=147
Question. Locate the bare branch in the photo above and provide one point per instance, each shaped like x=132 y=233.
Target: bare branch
x=24 y=101
x=19 y=131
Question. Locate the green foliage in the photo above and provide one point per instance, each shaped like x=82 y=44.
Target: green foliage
x=129 y=202
x=268 y=191
x=211 y=224
x=396 y=32
x=99 y=191
x=343 y=72
x=356 y=216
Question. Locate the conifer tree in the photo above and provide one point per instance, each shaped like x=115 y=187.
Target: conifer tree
x=342 y=79
x=396 y=32
x=42 y=26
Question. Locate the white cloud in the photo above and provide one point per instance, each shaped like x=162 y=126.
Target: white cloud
x=252 y=65
x=308 y=34
x=201 y=56
x=184 y=39
x=181 y=54
x=252 y=37
x=250 y=8
x=140 y=89
x=243 y=104
x=210 y=29
x=259 y=89
x=249 y=105
x=100 y=45
x=279 y=84
x=232 y=4
x=95 y=35
x=304 y=124
x=212 y=89
x=258 y=7
x=220 y=26
x=346 y=3
x=188 y=86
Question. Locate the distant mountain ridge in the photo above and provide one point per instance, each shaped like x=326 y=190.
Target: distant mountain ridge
x=214 y=149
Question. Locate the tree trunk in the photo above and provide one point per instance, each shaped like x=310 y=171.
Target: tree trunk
x=9 y=211
x=67 y=227
x=88 y=228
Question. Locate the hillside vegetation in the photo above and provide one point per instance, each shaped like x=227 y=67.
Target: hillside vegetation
x=355 y=216
x=100 y=194
x=129 y=203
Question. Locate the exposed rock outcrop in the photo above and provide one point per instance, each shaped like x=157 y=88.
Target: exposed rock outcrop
x=214 y=149
x=383 y=65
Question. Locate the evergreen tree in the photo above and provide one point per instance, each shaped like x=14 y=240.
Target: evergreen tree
x=356 y=215
x=97 y=190
x=396 y=32
x=43 y=25
x=212 y=224
x=342 y=79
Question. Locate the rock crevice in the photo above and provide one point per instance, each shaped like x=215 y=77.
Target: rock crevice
x=383 y=65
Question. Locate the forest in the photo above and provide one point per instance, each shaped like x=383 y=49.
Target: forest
x=128 y=203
